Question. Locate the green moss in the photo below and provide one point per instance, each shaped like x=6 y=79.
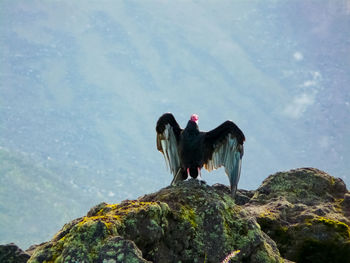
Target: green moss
x=111 y=253
x=188 y=214
x=263 y=256
x=304 y=185
x=190 y=222
x=120 y=257
x=268 y=216
x=126 y=208
x=153 y=225
x=337 y=226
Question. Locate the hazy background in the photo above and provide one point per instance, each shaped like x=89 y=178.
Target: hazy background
x=82 y=84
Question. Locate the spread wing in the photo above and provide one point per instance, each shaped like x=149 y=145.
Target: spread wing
x=223 y=146
x=168 y=136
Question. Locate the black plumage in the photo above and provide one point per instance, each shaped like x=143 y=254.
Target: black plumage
x=187 y=150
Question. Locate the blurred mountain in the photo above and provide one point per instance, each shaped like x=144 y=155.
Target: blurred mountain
x=34 y=199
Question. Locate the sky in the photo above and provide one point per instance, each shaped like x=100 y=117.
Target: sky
x=82 y=84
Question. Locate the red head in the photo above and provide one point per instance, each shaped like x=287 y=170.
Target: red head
x=194 y=117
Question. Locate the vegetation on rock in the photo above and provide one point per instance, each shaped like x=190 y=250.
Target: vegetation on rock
x=301 y=215
x=10 y=253
x=189 y=222
x=302 y=211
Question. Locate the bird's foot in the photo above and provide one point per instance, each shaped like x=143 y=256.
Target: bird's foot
x=200 y=180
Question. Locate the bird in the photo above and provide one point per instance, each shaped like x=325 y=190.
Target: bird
x=187 y=151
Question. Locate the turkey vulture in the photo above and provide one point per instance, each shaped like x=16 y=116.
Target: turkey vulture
x=187 y=150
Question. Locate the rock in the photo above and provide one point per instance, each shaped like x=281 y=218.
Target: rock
x=242 y=196
x=306 y=185
x=118 y=249
x=11 y=253
x=32 y=248
x=302 y=215
x=304 y=211
x=206 y=225
x=189 y=222
x=346 y=202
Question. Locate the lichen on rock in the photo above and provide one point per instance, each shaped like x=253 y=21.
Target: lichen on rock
x=97 y=236
x=301 y=215
x=302 y=210
x=304 y=185
x=189 y=222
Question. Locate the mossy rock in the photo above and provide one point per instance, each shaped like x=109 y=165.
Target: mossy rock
x=206 y=225
x=320 y=240
x=189 y=222
x=304 y=185
x=97 y=238
x=304 y=212
x=11 y=253
x=317 y=240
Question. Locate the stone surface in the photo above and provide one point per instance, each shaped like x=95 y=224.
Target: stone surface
x=302 y=215
x=189 y=222
x=11 y=253
x=304 y=211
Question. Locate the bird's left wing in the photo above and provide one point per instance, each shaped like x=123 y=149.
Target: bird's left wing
x=168 y=136
x=223 y=146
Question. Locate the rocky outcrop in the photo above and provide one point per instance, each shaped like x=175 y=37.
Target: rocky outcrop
x=190 y=222
x=306 y=212
x=302 y=215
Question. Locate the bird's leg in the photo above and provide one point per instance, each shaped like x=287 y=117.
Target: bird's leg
x=188 y=174
x=199 y=177
x=199 y=174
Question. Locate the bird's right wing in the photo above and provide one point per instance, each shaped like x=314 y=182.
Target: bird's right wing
x=168 y=136
x=223 y=146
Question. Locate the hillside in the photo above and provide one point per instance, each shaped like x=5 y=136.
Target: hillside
x=37 y=197
x=30 y=192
